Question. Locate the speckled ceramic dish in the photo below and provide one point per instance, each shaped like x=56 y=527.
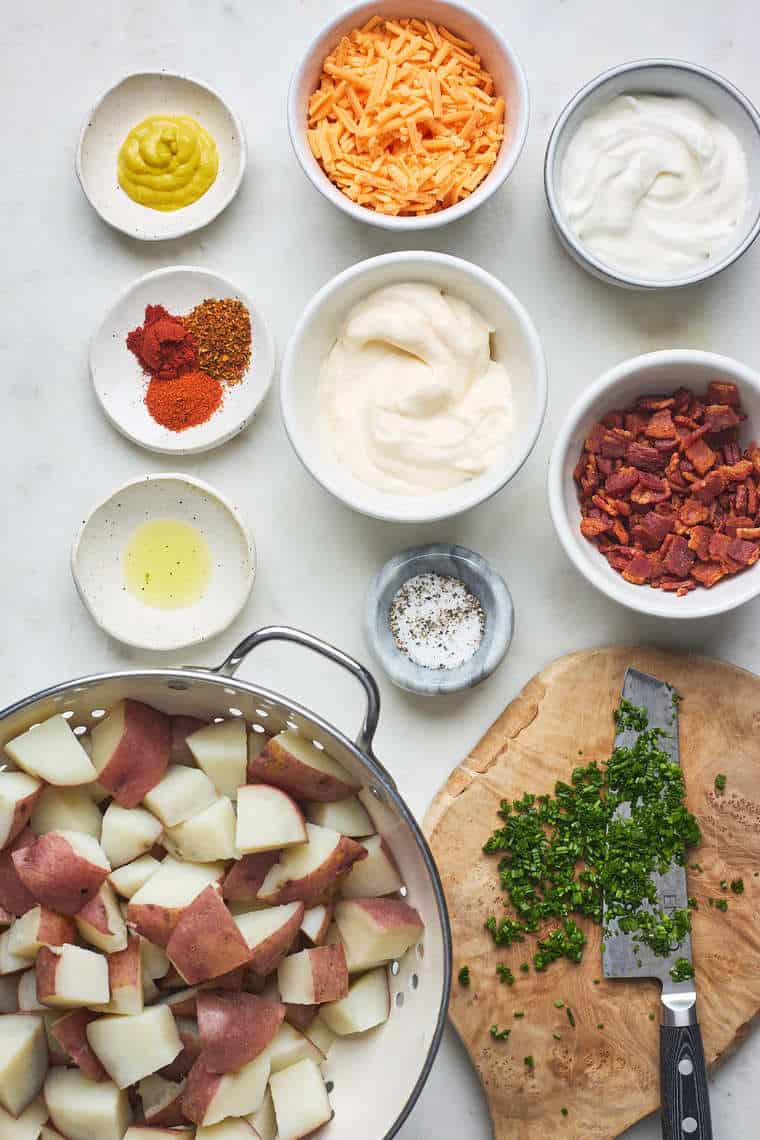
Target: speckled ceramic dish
x=480 y=579
x=109 y=122
x=98 y=569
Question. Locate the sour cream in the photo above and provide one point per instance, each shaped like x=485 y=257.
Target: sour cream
x=654 y=185
x=410 y=398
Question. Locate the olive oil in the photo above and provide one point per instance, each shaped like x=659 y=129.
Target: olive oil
x=167 y=564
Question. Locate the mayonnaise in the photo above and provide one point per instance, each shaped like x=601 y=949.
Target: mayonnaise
x=654 y=185
x=410 y=399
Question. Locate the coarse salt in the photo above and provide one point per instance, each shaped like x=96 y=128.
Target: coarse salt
x=436 y=621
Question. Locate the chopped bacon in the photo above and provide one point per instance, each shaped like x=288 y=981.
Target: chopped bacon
x=731 y=452
x=655 y=403
x=661 y=425
x=743 y=552
x=718 y=417
x=700 y=542
x=723 y=392
x=614 y=443
x=679 y=586
x=693 y=512
x=701 y=456
x=621 y=481
x=635 y=422
x=708 y=573
x=592 y=527
x=710 y=487
x=644 y=457
x=613 y=420
x=639 y=570
x=678 y=559
x=751 y=532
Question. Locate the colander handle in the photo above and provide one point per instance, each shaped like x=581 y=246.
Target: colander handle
x=365 y=739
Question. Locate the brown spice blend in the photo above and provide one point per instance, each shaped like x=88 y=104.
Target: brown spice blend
x=221 y=330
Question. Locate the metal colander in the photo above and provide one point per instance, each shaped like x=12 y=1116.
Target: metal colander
x=374 y=1080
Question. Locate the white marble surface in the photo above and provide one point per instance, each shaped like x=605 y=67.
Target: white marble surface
x=280 y=240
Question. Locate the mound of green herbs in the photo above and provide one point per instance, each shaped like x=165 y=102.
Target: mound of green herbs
x=562 y=855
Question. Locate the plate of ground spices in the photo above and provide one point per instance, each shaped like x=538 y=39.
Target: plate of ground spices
x=182 y=361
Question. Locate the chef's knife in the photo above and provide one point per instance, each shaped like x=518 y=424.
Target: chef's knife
x=683 y=1075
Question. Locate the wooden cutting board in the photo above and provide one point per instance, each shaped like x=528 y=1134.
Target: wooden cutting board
x=606 y=1078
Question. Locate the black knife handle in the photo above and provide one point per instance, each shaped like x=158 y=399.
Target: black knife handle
x=683 y=1083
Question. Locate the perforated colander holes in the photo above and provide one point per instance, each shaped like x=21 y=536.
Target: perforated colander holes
x=80 y=730
x=395 y=967
x=399 y=999
x=376 y=792
x=234 y=712
x=258 y=728
x=403 y=892
x=420 y=950
x=329 y=1086
x=178 y=686
x=98 y=714
x=263 y=713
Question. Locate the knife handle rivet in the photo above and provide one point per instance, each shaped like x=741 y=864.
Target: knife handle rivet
x=685 y=1068
x=689 y=1124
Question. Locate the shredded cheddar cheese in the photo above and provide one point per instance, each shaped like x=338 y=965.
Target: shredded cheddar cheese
x=405 y=120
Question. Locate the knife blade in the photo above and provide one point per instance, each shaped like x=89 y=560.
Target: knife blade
x=683 y=1076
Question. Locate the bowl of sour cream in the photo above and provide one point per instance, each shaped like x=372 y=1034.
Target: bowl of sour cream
x=652 y=175
x=413 y=386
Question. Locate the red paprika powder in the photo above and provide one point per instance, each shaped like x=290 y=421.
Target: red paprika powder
x=186 y=401
x=163 y=345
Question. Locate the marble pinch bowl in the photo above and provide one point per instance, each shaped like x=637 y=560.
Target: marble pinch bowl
x=113 y=116
x=96 y=562
x=120 y=383
x=480 y=579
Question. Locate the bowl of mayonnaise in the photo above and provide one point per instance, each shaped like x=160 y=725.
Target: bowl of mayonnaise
x=413 y=386
x=652 y=175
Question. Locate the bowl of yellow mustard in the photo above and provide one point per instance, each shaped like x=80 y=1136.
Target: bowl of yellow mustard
x=160 y=155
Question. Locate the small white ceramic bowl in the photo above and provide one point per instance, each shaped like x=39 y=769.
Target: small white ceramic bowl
x=655 y=372
x=109 y=122
x=498 y=58
x=98 y=550
x=120 y=382
x=657 y=77
x=515 y=342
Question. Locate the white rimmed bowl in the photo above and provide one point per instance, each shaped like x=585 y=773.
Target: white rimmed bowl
x=96 y=562
x=516 y=345
x=657 y=77
x=655 y=372
x=120 y=383
x=111 y=119
x=499 y=59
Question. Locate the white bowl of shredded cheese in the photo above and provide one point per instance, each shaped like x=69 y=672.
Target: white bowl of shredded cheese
x=472 y=34
x=382 y=399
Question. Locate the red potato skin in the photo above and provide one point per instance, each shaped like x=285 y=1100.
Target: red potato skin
x=379 y=909
x=342 y=858
x=156 y=923
x=55 y=929
x=70 y=1031
x=95 y=914
x=15 y=898
x=329 y=973
x=21 y=815
x=181 y=728
x=245 y=877
x=168 y=1116
x=125 y=966
x=235 y=1027
x=275 y=766
x=200 y=1090
x=6 y=918
x=141 y=757
x=269 y=953
x=206 y=941
x=56 y=875
x=191 y=1051
x=45 y=967
x=183 y=1006
x=322 y=932
x=300 y=1016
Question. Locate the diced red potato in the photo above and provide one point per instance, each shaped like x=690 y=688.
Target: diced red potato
x=305 y=872
x=366 y=1006
x=313 y=976
x=15 y=898
x=376 y=930
x=81 y=1109
x=155 y=961
x=290 y=1046
x=211 y=1097
x=148 y=1132
x=316 y=922
x=300 y=1016
x=9 y=993
x=18 y=795
x=63 y=870
x=263 y=1121
x=270 y=933
x=130 y=1048
x=267 y=820
x=155 y=908
x=70 y=1031
x=27 y=1126
x=51 y=752
x=204 y=837
x=128 y=833
x=349 y=817
x=10 y=963
x=126 y=980
x=70 y=976
x=320 y=1035
x=180 y=794
x=376 y=875
x=66 y=809
x=100 y=922
x=39 y=927
x=27 y=999
x=230 y=1129
x=292 y=762
x=221 y=750
x=161 y=1101
x=206 y=942
x=300 y=1100
x=130 y=751
x=127 y=880
x=181 y=728
x=23 y=1060
x=244 y=878
x=187 y=1028
x=235 y=1028
x=183 y=1003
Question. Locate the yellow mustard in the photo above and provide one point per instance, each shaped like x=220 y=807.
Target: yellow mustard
x=167 y=162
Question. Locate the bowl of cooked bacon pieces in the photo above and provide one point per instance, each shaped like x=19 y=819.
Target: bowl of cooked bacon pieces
x=408 y=117
x=654 y=484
